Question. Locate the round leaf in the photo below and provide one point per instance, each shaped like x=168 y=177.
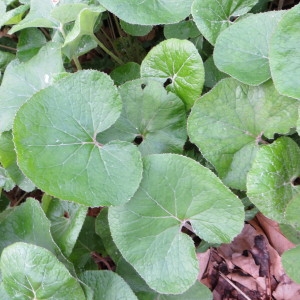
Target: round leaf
x=151 y=117
x=149 y=12
x=228 y=122
x=291 y=263
x=147 y=230
x=178 y=65
x=285 y=52
x=126 y=72
x=213 y=16
x=270 y=182
x=245 y=56
x=107 y=285
x=32 y=272
x=55 y=138
x=134 y=29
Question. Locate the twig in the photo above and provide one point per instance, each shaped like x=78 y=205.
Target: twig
x=280 y=4
x=8 y=48
x=77 y=63
x=233 y=285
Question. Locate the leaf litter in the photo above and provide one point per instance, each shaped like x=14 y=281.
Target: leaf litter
x=250 y=266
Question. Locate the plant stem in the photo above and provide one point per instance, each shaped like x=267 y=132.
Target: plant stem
x=8 y=48
x=117 y=59
x=77 y=63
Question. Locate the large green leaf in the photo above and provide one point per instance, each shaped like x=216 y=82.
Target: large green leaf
x=228 y=123
x=66 y=222
x=38 y=16
x=242 y=49
x=8 y=160
x=178 y=65
x=284 y=54
x=213 y=16
x=151 y=116
x=292 y=214
x=147 y=230
x=149 y=12
x=270 y=182
x=107 y=285
x=56 y=131
x=291 y=263
x=32 y=272
x=28 y=223
x=22 y=80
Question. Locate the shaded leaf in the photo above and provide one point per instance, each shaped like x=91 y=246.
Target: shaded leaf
x=291 y=263
x=13 y=16
x=174 y=190
x=178 y=65
x=32 y=272
x=56 y=130
x=151 y=118
x=135 y=29
x=126 y=72
x=182 y=30
x=246 y=56
x=227 y=124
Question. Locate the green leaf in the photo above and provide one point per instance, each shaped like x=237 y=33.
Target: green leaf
x=107 y=285
x=178 y=65
x=56 y=130
x=152 y=118
x=147 y=230
x=212 y=74
x=182 y=30
x=28 y=223
x=213 y=16
x=22 y=80
x=270 y=182
x=197 y=292
x=38 y=16
x=5 y=59
x=292 y=214
x=149 y=12
x=84 y=26
x=227 y=124
x=67 y=12
x=13 y=16
x=5 y=181
x=284 y=54
x=126 y=72
x=291 y=263
x=8 y=160
x=290 y=233
x=243 y=54
x=29 y=43
x=134 y=29
x=66 y=222
x=32 y=272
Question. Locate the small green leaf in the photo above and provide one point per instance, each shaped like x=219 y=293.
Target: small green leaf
x=13 y=16
x=126 y=72
x=134 y=29
x=270 y=182
x=291 y=263
x=22 y=80
x=66 y=222
x=284 y=54
x=32 y=272
x=151 y=118
x=38 y=16
x=174 y=190
x=213 y=16
x=182 y=30
x=67 y=12
x=5 y=181
x=178 y=65
x=245 y=56
x=107 y=285
x=5 y=59
x=84 y=26
x=56 y=130
x=290 y=233
x=292 y=214
x=227 y=124
x=212 y=74
x=149 y=12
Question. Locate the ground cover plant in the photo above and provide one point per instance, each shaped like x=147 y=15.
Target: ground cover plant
x=136 y=137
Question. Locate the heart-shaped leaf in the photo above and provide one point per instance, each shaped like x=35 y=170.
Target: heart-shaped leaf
x=149 y=12
x=151 y=118
x=175 y=192
x=284 y=54
x=245 y=56
x=228 y=123
x=271 y=180
x=32 y=272
x=56 y=131
x=213 y=16
x=178 y=65
x=107 y=285
x=22 y=80
x=66 y=222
